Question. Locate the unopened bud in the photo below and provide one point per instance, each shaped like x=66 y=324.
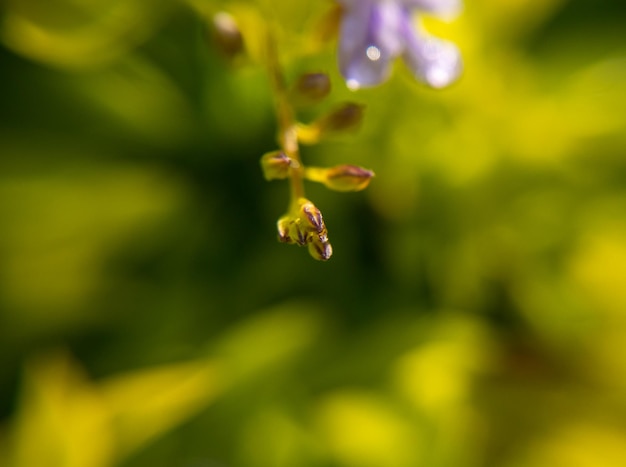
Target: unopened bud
x=348 y=178
x=291 y=230
x=313 y=216
x=275 y=165
x=311 y=87
x=227 y=35
x=347 y=117
x=302 y=236
x=283 y=226
x=304 y=225
x=344 y=118
x=341 y=178
x=320 y=250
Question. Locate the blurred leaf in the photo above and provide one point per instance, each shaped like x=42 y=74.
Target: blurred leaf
x=60 y=226
x=274 y=438
x=437 y=375
x=272 y=337
x=579 y=445
x=146 y=403
x=62 y=421
x=79 y=34
x=363 y=430
x=141 y=97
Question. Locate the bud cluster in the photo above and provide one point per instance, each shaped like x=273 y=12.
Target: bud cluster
x=304 y=225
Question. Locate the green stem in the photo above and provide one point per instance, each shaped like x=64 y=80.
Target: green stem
x=316 y=174
x=287 y=124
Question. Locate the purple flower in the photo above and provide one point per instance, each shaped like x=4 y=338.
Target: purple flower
x=375 y=32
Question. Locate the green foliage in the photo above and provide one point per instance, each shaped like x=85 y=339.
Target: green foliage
x=472 y=314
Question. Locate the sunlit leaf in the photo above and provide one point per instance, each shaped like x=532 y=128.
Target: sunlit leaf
x=62 y=421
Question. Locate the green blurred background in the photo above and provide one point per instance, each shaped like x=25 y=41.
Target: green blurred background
x=473 y=313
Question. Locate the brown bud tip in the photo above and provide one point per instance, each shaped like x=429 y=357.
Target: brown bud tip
x=292 y=230
x=313 y=216
x=346 y=117
x=227 y=35
x=312 y=86
x=321 y=251
x=275 y=165
x=283 y=226
x=302 y=236
x=303 y=225
x=348 y=178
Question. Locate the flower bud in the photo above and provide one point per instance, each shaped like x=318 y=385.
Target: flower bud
x=304 y=225
x=347 y=117
x=344 y=118
x=283 y=226
x=227 y=35
x=311 y=87
x=290 y=230
x=301 y=235
x=341 y=178
x=348 y=178
x=313 y=216
x=320 y=250
x=275 y=165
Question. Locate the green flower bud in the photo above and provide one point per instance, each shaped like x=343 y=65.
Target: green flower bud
x=290 y=230
x=227 y=35
x=344 y=118
x=304 y=225
x=341 y=178
x=284 y=226
x=348 y=178
x=312 y=216
x=319 y=250
x=347 y=117
x=275 y=165
x=311 y=87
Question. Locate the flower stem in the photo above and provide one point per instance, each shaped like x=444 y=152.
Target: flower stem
x=287 y=124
